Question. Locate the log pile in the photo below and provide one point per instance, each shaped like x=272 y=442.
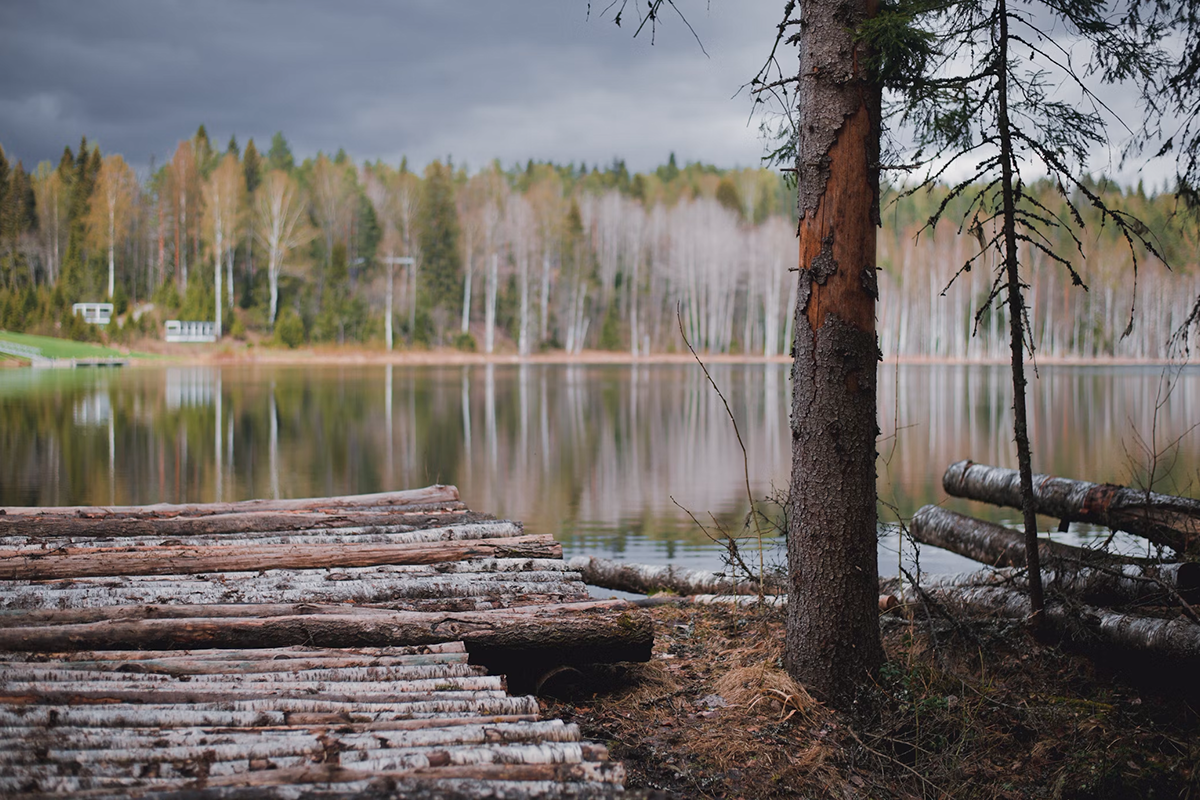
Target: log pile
x=1140 y=609
x=322 y=647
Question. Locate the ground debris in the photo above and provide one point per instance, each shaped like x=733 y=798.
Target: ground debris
x=963 y=708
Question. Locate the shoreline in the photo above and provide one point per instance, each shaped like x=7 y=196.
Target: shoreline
x=229 y=353
x=330 y=355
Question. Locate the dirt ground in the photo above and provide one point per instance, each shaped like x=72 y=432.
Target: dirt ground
x=963 y=708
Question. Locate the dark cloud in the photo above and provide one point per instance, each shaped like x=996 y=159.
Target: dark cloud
x=382 y=78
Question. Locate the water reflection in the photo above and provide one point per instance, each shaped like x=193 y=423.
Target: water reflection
x=609 y=458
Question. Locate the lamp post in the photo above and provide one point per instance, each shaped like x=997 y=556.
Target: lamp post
x=391 y=262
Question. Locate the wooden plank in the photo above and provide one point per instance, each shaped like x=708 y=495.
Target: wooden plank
x=69 y=562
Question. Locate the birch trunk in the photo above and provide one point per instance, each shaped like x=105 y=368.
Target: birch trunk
x=489 y=330
x=1163 y=519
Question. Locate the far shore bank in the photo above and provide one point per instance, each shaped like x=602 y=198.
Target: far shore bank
x=151 y=352
x=345 y=355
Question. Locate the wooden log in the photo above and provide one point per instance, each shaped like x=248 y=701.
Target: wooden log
x=237 y=656
x=71 y=562
x=379 y=588
x=1091 y=576
x=186 y=665
x=647 y=579
x=1163 y=519
x=1175 y=640
x=49 y=525
x=430 y=495
x=600 y=631
x=367 y=534
x=279 y=712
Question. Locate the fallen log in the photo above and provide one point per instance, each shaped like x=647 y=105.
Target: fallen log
x=603 y=631
x=77 y=562
x=1176 y=640
x=430 y=495
x=646 y=579
x=1092 y=576
x=1163 y=519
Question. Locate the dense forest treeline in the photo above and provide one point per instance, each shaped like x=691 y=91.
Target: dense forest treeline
x=539 y=256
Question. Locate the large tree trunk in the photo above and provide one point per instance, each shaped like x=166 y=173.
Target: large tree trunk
x=833 y=642
x=1163 y=519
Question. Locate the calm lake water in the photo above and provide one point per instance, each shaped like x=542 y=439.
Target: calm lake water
x=613 y=460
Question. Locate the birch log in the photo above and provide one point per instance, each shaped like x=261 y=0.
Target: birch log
x=1176 y=640
x=73 y=562
x=116 y=525
x=1163 y=519
x=646 y=579
x=430 y=495
x=1093 y=577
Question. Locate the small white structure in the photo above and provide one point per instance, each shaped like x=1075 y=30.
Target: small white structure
x=95 y=313
x=190 y=331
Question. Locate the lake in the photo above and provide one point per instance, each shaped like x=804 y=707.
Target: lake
x=625 y=461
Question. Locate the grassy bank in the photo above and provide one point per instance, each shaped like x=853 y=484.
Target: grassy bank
x=51 y=347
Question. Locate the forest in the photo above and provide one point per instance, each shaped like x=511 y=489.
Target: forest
x=530 y=258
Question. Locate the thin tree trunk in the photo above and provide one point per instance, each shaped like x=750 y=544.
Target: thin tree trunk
x=1016 y=321
x=489 y=324
x=833 y=642
x=387 y=321
x=466 y=312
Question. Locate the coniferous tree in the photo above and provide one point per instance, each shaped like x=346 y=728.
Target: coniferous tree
x=438 y=235
x=252 y=167
x=280 y=155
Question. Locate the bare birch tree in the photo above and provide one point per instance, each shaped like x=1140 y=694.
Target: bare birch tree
x=280 y=216
x=223 y=196
x=109 y=209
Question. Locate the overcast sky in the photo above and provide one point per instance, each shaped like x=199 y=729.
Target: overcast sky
x=477 y=80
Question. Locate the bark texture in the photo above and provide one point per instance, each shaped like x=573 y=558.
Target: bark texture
x=833 y=640
x=79 y=562
x=1163 y=519
x=647 y=578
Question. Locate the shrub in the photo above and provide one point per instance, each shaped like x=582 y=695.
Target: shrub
x=289 y=329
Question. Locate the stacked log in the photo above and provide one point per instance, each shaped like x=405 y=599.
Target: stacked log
x=317 y=647
x=410 y=721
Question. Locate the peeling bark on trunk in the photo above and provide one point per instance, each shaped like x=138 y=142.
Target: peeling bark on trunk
x=1163 y=519
x=833 y=642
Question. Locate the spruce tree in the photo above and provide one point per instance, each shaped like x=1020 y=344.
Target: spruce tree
x=438 y=233
x=252 y=166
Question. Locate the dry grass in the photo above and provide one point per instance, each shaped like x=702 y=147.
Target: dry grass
x=973 y=709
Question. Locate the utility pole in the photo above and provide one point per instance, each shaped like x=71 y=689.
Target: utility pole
x=391 y=262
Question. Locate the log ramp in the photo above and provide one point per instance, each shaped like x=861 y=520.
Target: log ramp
x=347 y=646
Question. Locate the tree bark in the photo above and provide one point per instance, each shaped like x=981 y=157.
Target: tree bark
x=1163 y=519
x=644 y=579
x=430 y=495
x=1174 y=640
x=833 y=643
x=79 y=562
x=593 y=631
x=251 y=524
